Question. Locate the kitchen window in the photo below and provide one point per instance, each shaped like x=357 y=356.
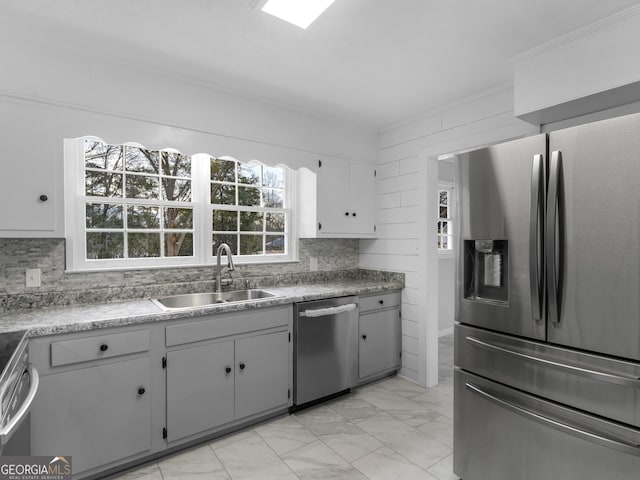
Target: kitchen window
x=131 y=207
x=445 y=219
x=248 y=208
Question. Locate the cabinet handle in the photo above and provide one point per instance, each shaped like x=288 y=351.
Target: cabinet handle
x=228 y=369
x=141 y=391
x=346 y=214
x=104 y=347
x=381 y=302
x=43 y=198
x=242 y=365
x=364 y=337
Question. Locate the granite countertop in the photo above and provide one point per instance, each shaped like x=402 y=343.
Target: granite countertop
x=49 y=321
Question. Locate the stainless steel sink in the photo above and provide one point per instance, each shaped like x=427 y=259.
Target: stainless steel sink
x=192 y=300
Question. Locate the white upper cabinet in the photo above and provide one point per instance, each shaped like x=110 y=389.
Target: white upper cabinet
x=336 y=201
x=28 y=184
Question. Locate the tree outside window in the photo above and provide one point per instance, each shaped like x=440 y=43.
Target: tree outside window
x=248 y=207
x=134 y=207
x=138 y=202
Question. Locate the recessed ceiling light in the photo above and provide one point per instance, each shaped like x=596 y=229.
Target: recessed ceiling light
x=299 y=12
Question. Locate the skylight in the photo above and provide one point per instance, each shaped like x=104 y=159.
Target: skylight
x=300 y=13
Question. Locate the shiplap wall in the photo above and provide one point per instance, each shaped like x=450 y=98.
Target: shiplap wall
x=406 y=210
x=399 y=224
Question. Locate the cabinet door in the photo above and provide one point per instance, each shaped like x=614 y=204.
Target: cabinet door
x=28 y=170
x=97 y=415
x=379 y=342
x=334 y=213
x=362 y=197
x=262 y=373
x=199 y=389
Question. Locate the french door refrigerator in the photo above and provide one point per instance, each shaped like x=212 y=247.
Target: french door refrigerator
x=547 y=339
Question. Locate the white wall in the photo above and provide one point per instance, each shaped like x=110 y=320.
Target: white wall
x=58 y=93
x=446 y=295
x=406 y=205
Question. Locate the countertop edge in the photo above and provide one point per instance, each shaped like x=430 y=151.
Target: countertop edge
x=63 y=320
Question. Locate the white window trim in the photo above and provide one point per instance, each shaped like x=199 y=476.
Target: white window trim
x=74 y=214
x=291 y=255
x=450 y=187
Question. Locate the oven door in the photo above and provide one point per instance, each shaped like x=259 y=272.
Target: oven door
x=14 y=431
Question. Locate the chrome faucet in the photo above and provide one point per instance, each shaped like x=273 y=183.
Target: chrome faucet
x=222 y=247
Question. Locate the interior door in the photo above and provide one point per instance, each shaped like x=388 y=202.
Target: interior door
x=596 y=266
x=500 y=194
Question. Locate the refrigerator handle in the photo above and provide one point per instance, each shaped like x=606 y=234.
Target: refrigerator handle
x=614 y=443
x=534 y=237
x=551 y=232
x=618 y=378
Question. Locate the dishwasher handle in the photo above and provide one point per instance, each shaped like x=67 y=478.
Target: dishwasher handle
x=323 y=312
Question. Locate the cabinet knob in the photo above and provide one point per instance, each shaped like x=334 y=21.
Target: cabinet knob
x=242 y=365
x=228 y=369
x=346 y=214
x=141 y=391
x=353 y=214
x=364 y=337
x=104 y=347
x=381 y=302
x=43 y=198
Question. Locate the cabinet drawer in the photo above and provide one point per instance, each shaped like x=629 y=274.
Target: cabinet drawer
x=98 y=347
x=383 y=300
x=501 y=433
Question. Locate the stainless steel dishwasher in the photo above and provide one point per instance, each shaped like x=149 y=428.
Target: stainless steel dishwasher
x=325 y=349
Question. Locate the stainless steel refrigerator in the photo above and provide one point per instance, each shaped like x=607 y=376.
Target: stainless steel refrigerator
x=547 y=339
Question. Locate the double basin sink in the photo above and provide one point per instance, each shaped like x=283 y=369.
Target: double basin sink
x=192 y=300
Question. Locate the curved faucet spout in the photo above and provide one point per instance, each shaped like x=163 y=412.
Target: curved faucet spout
x=223 y=247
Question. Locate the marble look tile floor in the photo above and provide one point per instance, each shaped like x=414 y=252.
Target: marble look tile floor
x=391 y=429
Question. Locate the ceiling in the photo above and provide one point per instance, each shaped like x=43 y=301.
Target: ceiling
x=376 y=62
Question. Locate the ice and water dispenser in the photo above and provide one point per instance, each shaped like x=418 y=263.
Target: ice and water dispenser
x=486 y=270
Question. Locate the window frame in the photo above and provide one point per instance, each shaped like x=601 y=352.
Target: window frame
x=447 y=187
x=75 y=201
x=290 y=227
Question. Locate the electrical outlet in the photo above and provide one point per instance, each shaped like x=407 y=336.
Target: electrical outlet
x=313 y=264
x=33 y=277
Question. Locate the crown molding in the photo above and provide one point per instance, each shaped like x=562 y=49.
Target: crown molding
x=578 y=33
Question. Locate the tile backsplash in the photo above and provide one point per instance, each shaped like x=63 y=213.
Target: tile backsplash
x=336 y=258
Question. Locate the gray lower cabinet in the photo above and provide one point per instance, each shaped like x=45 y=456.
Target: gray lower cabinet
x=200 y=389
x=96 y=415
x=214 y=384
x=379 y=335
x=262 y=384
